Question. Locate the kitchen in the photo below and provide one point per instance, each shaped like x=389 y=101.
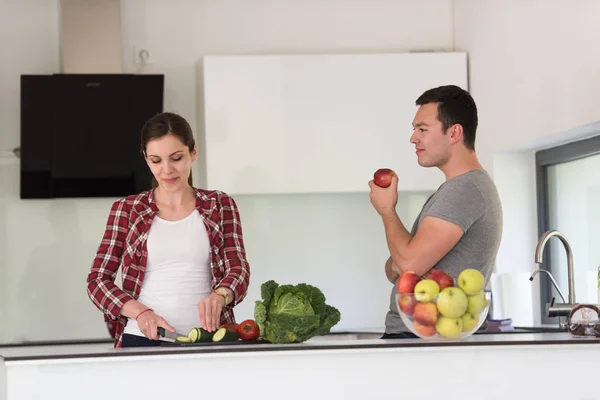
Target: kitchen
x=531 y=73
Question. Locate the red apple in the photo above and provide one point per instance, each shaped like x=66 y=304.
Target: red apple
x=426 y=313
x=424 y=330
x=407 y=303
x=442 y=278
x=407 y=282
x=383 y=177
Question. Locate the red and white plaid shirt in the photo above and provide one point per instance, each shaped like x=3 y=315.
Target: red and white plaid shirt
x=124 y=245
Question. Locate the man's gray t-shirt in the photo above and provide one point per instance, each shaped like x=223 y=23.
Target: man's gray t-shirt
x=470 y=201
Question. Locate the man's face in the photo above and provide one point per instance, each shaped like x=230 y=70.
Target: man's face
x=431 y=143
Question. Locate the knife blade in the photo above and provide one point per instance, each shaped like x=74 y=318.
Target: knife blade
x=168 y=334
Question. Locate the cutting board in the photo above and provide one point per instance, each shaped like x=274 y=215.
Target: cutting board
x=236 y=343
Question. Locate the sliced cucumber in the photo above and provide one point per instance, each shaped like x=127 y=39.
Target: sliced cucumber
x=184 y=339
x=204 y=335
x=225 y=335
x=193 y=335
x=199 y=335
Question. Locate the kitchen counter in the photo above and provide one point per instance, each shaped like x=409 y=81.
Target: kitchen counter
x=89 y=352
x=494 y=365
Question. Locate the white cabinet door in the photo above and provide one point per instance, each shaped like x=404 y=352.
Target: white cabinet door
x=317 y=123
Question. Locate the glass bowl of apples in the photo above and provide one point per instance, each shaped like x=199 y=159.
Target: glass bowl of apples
x=441 y=308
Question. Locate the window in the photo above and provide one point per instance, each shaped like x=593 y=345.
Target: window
x=568 y=195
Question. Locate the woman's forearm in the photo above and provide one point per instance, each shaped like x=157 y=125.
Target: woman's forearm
x=132 y=308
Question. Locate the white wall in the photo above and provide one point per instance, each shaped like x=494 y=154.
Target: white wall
x=534 y=66
x=196 y=28
x=3 y=239
x=334 y=241
x=534 y=75
x=514 y=175
x=47 y=246
x=26 y=49
x=515 y=180
x=30 y=47
x=90 y=36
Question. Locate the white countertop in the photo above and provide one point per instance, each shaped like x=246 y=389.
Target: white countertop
x=495 y=366
x=102 y=350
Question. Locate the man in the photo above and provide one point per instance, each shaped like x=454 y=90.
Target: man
x=460 y=225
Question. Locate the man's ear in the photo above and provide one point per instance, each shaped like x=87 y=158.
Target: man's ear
x=455 y=133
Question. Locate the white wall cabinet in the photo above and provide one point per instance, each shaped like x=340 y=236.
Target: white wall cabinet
x=317 y=123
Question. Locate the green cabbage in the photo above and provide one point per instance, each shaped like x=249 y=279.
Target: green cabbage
x=293 y=314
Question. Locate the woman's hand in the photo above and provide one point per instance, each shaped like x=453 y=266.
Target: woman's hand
x=149 y=322
x=210 y=311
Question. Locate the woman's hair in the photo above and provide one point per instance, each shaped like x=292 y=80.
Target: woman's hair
x=167 y=124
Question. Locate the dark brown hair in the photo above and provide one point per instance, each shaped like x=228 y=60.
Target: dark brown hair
x=455 y=106
x=167 y=124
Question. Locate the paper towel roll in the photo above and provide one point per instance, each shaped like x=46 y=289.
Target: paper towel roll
x=513 y=292
x=496 y=287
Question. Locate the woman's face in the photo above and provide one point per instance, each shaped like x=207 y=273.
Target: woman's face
x=170 y=161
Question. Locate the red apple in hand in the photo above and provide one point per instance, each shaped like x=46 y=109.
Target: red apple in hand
x=442 y=278
x=407 y=304
x=407 y=282
x=383 y=177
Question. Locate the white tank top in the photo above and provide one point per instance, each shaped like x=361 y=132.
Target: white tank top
x=177 y=272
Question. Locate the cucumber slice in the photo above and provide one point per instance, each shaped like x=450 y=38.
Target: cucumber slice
x=225 y=335
x=193 y=335
x=204 y=335
x=183 y=339
x=200 y=335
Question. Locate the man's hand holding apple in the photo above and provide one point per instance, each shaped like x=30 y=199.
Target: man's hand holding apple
x=384 y=199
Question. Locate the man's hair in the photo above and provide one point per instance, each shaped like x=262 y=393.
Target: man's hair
x=456 y=106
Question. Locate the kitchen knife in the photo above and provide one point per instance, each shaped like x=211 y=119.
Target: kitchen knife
x=168 y=334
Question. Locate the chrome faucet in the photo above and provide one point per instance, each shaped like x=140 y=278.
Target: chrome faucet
x=539 y=251
x=537 y=271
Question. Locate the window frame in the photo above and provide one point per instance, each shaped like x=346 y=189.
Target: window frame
x=544 y=159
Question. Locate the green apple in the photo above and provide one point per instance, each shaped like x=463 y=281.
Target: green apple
x=477 y=302
x=426 y=290
x=452 y=302
x=471 y=281
x=469 y=321
x=449 y=327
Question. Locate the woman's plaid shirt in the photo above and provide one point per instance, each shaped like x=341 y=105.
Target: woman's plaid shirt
x=124 y=245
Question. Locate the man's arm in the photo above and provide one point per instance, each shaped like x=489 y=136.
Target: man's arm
x=391 y=271
x=434 y=238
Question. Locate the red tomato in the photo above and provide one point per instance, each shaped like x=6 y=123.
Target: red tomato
x=248 y=330
x=233 y=327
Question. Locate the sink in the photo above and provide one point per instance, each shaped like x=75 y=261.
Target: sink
x=540 y=329
x=526 y=329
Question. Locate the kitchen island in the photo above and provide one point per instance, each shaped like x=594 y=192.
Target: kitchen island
x=492 y=366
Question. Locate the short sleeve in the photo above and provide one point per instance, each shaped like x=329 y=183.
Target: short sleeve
x=460 y=203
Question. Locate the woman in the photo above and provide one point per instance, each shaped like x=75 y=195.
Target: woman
x=180 y=249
